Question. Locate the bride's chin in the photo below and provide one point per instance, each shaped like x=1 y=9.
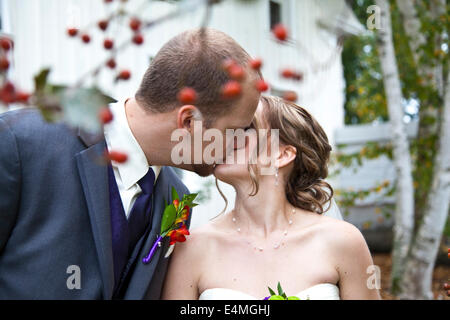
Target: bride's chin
x=219 y=170
x=227 y=172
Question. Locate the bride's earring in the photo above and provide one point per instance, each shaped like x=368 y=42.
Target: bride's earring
x=276 y=177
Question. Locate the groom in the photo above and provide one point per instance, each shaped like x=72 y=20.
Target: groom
x=74 y=228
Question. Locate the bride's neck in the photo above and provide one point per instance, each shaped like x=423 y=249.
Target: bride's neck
x=264 y=212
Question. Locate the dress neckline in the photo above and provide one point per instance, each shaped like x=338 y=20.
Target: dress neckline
x=249 y=295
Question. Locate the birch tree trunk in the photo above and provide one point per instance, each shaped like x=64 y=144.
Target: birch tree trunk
x=417 y=279
x=416 y=283
x=404 y=211
x=431 y=75
x=412 y=26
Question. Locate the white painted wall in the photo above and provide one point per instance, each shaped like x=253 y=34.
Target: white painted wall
x=39 y=31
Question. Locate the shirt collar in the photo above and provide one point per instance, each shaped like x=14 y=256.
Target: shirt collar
x=119 y=137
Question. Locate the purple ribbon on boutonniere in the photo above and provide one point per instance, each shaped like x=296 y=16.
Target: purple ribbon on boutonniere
x=173 y=222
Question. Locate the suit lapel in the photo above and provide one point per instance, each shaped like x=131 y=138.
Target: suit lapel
x=94 y=179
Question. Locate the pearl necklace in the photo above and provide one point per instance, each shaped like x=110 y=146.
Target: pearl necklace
x=277 y=244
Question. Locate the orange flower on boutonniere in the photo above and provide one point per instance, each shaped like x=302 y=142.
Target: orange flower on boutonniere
x=173 y=222
x=178 y=235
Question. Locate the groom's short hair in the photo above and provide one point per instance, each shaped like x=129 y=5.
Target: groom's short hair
x=193 y=59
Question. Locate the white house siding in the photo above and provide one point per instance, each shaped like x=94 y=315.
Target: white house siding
x=372 y=173
x=38 y=28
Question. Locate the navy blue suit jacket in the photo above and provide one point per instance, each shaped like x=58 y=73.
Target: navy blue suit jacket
x=54 y=213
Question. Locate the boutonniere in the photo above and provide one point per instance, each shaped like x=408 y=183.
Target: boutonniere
x=173 y=222
x=280 y=296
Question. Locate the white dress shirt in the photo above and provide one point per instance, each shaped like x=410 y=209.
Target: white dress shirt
x=119 y=137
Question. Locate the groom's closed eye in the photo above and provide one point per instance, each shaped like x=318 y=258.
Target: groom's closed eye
x=240 y=145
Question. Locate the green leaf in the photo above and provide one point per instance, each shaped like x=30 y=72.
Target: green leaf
x=175 y=194
x=82 y=105
x=293 y=298
x=40 y=80
x=276 y=297
x=280 y=290
x=272 y=293
x=187 y=198
x=168 y=218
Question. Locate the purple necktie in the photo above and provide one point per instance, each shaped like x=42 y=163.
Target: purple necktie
x=126 y=233
x=140 y=215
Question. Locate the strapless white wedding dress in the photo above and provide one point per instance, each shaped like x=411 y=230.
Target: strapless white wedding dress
x=321 y=291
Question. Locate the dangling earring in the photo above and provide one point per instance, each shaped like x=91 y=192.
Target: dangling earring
x=276 y=177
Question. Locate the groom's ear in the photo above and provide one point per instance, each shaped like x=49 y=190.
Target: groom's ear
x=186 y=116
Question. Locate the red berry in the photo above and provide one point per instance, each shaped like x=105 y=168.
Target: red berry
x=290 y=96
x=105 y=115
x=72 y=32
x=8 y=93
x=261 y=85
x=291 y=74
x=4 y=63
x=298 y=76
x=5 y=44
x=111 y=63
x=103 y=24
x=256 y=63
x=22 y=97
x=228 y=64
x=86 y=38
x=135 y=24
x=108 y=44
x=288 y=73
x=124 y=75
x=138 y=38
x=280 y=32
x=116 y=156
x=236 y=72
x=231 y=89
x=187 y=95
x=9 y=87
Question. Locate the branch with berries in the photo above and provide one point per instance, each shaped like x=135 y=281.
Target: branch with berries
x=87 y=107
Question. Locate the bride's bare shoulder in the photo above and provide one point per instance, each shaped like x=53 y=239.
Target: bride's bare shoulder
x=212 y=231
x=202 y=237
x=341 y=234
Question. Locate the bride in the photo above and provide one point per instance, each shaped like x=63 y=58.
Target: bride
x=277 y=231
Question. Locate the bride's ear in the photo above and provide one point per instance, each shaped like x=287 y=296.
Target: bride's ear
x=186 y=116
x=286 y=156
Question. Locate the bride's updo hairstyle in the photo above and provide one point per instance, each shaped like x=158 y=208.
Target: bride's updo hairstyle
x=305 y=187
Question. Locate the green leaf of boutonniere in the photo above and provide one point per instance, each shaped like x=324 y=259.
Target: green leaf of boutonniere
x=168 y=218
x=175 y=194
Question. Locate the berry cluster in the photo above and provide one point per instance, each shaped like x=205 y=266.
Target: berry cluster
x=8 y=91
x=135 y=25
